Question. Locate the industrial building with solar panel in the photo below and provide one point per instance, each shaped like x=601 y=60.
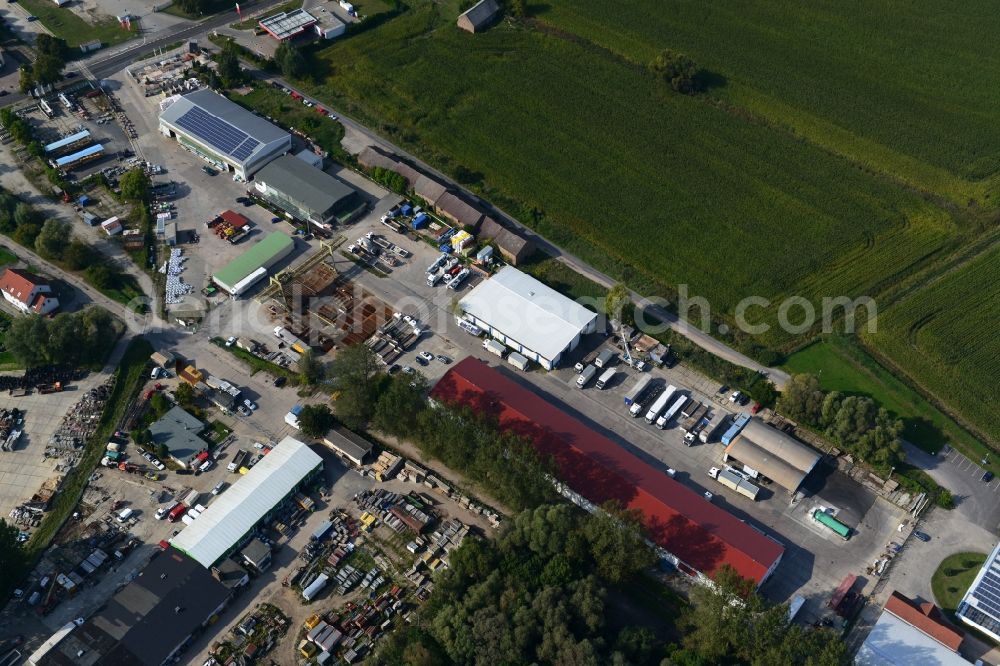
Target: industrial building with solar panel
x=222 y=132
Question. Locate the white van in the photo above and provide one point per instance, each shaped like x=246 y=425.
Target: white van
x=433 y=279
x=125 y=514
x=155 y=374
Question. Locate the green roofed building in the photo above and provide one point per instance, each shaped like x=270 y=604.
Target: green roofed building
x=250 y=267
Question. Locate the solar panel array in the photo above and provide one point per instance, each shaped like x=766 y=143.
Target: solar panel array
x=217 y=133
x=987 y=593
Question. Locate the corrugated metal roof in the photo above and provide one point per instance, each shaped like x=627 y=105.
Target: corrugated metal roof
x=769 y=464
x=893 y=642
x=783 y=446
x=239 y=509
x=309 y=187
x=529 y=312
x=700 y=534
x=276 y=244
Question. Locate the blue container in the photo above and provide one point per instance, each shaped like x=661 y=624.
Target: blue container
x=420 y=221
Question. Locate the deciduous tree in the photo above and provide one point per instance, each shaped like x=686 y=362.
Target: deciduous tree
x=678 y=70
x=315 y=420
x=53 y=239
x=135 y=185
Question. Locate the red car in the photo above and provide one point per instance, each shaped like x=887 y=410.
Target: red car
x=756 y=408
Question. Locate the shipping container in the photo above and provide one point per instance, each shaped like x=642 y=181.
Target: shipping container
x=730 y=434
x=518 y=361
x=494 y=347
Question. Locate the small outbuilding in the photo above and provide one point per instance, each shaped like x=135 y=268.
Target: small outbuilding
x=348 y=444
x=773 y=454
x=480 y=16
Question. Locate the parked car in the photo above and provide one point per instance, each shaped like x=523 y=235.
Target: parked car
x=444 y=359
x=32 y=17
x=219 y=487
x=279 y=381
x=427 y=356
x=421 y=360
x=231 y=340
x=756 y=408
x=923 y=536
x=250 y=404
x=987 y=476
x=209 y=170
x=408 y=370
x=394 y=368
x=243 y=411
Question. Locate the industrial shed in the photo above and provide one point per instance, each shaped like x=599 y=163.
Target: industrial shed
x=694 y=534
x=230 y=520
x=264 y=255
x=457 y=210
x=349 y=445
x=773 y=454
x=223 y=132
x=307 y=193
x=528 y=316
x=514 y=247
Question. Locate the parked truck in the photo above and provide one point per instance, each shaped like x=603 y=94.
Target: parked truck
x=584 y=377
x=191 y=498
x=494 y=347
x=708 y=432
x=237 y=460
x=604 y=358
x=661 y=403
x=176 y=512
x=693 y=421
x=735 y=428
x=728 y=477
x=664 y=419
x=649 y=396
x=605 y=378
x=637 y=390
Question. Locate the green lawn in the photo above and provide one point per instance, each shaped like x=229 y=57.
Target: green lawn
x=649 y=185
x=289 y=113
x=74 y=29
x=891 y=102
x=251 y=23
x=953 y=577
x=217 y=431
x=842 y=365
x=6 y=257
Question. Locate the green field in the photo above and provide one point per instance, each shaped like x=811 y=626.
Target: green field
x=945 y=338
x=653 y=186
x=896 y=87
x=842 y=365
x=953 y=577
x=65 y=23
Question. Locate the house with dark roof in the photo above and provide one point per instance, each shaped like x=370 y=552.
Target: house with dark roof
x=480 y=16
x=149 y=621
x=513 y=247
x=695 y=535
x=27 y=292
x=179 y=431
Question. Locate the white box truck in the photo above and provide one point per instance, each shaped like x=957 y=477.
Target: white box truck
x=584 y=378
x=661 y=403
x=605 y=378
x=664 y=419
x=495 y=347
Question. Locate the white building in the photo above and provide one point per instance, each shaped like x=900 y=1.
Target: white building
x=528 y=316
x=27 y=292
x=230 y=520
x=223 y=132
x=980 y=607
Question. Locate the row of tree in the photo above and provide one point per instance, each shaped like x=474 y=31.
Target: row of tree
x=51 y=54
x=856 y=423
x=75 y=339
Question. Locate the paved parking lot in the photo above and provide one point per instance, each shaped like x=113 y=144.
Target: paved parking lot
x=978 y=502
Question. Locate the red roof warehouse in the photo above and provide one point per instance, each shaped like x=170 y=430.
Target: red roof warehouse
x=700 y=534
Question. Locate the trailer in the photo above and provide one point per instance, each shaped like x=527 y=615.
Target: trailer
x=729 y=478
x=315 y=587
x=661 y=403
x=741 y=420
x=637 y=389
x=604 y=358
x=191 y=498
x=664 y=419
x=830 y=521
x=652 y=392
x=693 y=421
x=605 y=378
x=713 y=426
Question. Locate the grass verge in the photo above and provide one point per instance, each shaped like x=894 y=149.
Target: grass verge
x=6 y=257
x=128 y=378
x=953 y=577
x=74 y=29
x=841 y=364
x=257 y=364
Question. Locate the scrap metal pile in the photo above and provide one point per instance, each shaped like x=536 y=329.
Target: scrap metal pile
x=42 y=378
x=11 y=427
x=80 y=422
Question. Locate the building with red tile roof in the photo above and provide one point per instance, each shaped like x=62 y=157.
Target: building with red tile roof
x=697 y=535
x=27 y=292
x=926 y=617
